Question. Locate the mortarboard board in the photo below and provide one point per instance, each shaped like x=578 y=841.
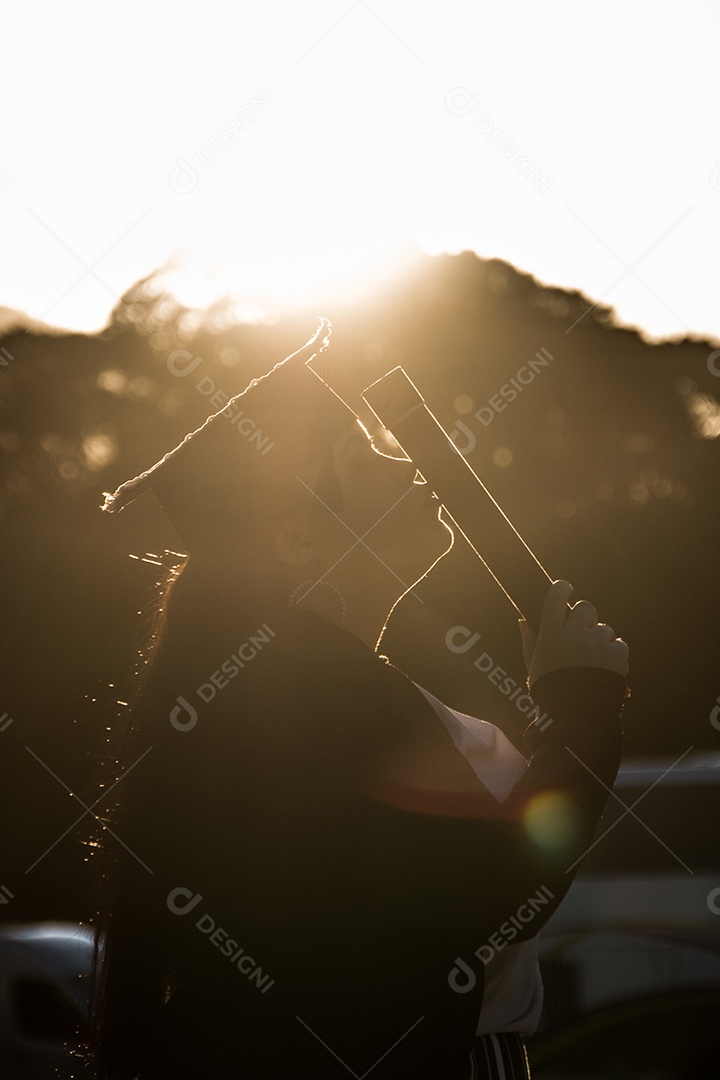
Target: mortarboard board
x=211 y=484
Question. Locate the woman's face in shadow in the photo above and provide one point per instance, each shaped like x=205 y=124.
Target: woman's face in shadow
x=373 y=492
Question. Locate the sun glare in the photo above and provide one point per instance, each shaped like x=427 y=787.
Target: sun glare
x=306 y=263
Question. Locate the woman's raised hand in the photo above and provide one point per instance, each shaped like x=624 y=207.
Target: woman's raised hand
x=570 y=637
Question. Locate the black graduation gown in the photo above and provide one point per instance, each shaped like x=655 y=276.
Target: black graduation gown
x=349 y=893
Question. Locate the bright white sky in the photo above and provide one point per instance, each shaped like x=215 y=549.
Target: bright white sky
x=360 y=151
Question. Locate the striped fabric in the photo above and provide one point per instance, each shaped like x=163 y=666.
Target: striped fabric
x=500 y=1056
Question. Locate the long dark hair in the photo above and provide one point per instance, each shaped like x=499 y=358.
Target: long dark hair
x=206 y=606
x=226 y=501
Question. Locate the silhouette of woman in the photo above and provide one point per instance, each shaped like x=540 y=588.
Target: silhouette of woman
x=307 y=864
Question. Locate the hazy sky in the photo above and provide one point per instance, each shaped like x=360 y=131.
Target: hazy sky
x=299 y=146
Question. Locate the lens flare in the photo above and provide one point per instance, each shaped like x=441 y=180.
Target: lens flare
x=551 y=819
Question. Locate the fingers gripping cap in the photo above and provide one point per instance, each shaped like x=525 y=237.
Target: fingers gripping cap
x=210 y=481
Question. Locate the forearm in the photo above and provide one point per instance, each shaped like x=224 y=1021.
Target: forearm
x=528 y=856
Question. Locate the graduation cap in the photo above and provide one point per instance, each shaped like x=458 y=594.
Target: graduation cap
x=215 y=481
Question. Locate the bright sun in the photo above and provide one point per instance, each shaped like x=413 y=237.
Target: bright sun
x=308 y=257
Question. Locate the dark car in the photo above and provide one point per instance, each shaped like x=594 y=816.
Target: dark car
x=44 y=976
x=631 y=959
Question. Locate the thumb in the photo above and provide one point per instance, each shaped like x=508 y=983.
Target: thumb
x=555 y=607
x=529 y=641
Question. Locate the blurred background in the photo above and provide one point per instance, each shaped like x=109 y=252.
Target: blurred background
x=520 y=206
